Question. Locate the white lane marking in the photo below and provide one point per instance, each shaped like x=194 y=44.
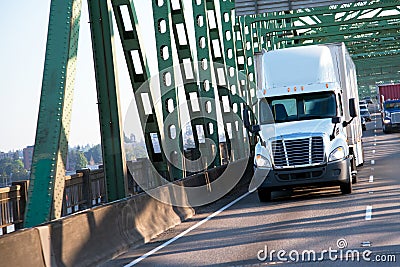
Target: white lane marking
x=373 y=151
x=368 y=213
x=372 y=162
x=371 y=178
x=187 y=231
x=366 y=244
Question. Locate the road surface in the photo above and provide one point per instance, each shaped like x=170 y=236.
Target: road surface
x=307 y=227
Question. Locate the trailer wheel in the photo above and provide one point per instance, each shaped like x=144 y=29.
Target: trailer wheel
x=264 y=195
x=347 y=187
x=386 y=129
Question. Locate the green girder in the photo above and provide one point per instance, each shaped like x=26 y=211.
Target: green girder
x=139 y=76
x=108 y=99
x=46 y=188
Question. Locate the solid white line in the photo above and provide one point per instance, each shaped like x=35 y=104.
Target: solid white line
x=186 y=231
x=372 y=162
x=368 y=213
x=371 y=178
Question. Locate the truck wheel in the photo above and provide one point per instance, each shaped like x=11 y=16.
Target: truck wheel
x=386 y=129
x=347 y=188
x=264 y=195
x=354 y=178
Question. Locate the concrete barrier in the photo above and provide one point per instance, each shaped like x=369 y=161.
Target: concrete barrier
x=93 y=236
x=21 y=248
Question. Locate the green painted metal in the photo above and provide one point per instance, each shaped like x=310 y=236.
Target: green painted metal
x=46 y=187
x=227 y=15
x=245 y=55
x=205 y=117
x=139 y=73
x=370 y=29
x=233 y=135
x=171 y=138
x=248 y=31
x=108 y=99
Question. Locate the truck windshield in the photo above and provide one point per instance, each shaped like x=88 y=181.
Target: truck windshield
x=392 y=105
x=298 y=107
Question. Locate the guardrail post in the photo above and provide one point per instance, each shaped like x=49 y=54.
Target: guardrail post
x=23 y=198
x=87 y=187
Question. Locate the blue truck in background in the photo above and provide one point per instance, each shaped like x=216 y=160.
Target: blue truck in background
x=389 y=95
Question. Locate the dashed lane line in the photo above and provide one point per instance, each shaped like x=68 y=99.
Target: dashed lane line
x=368 y=213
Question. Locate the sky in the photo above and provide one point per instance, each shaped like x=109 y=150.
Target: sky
x=23 y=27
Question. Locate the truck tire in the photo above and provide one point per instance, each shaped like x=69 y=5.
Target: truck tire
x=347 y=187
x=386 y=130
x=264 y=195
x=354 y=179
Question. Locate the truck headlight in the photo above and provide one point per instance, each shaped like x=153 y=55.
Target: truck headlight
x=262 y=161
x=336 y=154
x=386 y=121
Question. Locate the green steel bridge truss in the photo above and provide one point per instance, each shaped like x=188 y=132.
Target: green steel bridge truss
x=222 y=58
x=370 y=29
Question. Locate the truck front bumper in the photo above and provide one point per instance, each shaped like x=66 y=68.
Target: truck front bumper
x=332 y=173
x=392 y=126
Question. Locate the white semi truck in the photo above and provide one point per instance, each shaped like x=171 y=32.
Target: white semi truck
x=309 y=130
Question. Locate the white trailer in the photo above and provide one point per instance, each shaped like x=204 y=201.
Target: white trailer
x=309 y=120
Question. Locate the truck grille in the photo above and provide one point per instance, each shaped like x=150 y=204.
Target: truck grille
x=396 y=117
x=297 y=152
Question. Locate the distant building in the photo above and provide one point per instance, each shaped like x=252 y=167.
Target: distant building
x=4 y=155
x=27 y=157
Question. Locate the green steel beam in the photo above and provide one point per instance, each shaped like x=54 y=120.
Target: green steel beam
x=247 y=68
x=195 y=100
x=139 y=73
x=366 y=6
x=231 y=91
x=370 y=30
x=218 y=25
x=207 y=108
x=46 y=188
x=108 y=98
x=171 y=137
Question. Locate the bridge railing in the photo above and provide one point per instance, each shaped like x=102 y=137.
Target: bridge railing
x=12 y=207
x=83 y=190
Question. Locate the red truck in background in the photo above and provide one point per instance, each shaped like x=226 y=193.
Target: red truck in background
x=389 y=98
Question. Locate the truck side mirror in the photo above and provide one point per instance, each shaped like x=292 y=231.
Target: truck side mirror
x=246 y=119
x=352 y=108
x=336 y=120
x=255 y=128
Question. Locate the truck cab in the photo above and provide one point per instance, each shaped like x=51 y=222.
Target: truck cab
x=391 y=115
x=309 y=124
